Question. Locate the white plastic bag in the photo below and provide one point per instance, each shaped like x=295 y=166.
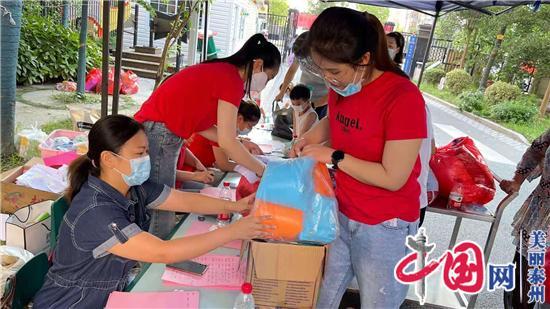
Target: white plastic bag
x=12 y=259
x=45 y=178
x=28 y=141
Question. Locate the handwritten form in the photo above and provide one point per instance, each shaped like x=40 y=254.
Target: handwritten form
x=215 y=192
x=223 y=273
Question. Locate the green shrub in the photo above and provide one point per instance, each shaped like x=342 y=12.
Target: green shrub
x=514 y=112
x=501 y=92
x=433 y=76
x=457 y=81
x=471 y=101
x=49 y=51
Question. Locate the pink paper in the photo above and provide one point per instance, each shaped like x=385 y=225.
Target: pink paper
x=266 y=148
x=179 y=299
x=198 y=227
x=58 y=160
x=215 y=192
x=223 y=273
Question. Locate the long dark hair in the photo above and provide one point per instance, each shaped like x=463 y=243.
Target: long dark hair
x=344 y=35
x=400 y=41
x=250 y=111
x=256 y=47
x=107 y=134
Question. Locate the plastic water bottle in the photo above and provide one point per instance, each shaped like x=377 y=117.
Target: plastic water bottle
x=456 y=196
x=225 y=194
x=245 y=300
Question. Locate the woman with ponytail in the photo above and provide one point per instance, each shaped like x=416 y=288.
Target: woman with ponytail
x=375 y=126
x=204 y=99
x=104 y=232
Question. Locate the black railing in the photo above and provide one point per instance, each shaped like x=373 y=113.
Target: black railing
x=441 y=51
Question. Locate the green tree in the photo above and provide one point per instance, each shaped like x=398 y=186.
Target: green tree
x=278 y=7
x=381 y=12
x=316 y=7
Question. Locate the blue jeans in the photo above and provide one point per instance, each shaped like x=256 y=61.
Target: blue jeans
x=369 y=252
x=164 y=149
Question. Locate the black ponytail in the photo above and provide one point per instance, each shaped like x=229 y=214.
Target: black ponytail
x=107 y=134
x=256 y=47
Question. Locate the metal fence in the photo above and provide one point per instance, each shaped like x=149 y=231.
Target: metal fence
x=281 y=31
x=70 y=12
x=442 y=51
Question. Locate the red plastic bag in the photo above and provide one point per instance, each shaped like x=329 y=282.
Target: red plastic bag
x=92 y=79
x=245 y=188
x=111 y=83
x=128 y=82
x=461 y=164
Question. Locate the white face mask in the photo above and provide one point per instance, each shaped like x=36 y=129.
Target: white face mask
x=300 y=108
x=258 y=82
x=392 y=53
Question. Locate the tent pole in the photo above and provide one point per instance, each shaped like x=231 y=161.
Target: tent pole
x=105 y=59
x=118 y=57
x=432 y=32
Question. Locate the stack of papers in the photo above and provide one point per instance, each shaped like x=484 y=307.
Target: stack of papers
x=179 y=299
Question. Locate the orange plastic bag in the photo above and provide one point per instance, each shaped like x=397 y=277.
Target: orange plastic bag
x=287 y=222
x=298 y=195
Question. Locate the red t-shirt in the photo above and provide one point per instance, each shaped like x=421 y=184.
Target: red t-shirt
x=188 y=101
x=202 y=148
x=389 y=108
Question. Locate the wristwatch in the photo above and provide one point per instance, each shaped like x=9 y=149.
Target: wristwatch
x=337 y=156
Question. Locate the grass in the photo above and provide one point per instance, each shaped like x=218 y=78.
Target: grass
x=10 y=161
x=73 y=97
x=530 y=130
x=442 y=94
x=66 y=124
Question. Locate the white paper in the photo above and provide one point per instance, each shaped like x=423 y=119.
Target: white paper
x=45 y=178
x=3 y=219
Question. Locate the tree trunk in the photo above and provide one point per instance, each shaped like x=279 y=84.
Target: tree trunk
x=492 y=57
x=469 y=32
x=545 y=101
x=179 y=24
x=9 y=42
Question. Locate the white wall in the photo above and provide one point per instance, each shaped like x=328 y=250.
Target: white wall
x=224 y=18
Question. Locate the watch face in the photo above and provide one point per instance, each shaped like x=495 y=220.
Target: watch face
x=338 y=155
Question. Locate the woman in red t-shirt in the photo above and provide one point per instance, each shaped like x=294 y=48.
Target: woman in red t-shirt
x=210 y=154
x=204 y=99
x=375 y=126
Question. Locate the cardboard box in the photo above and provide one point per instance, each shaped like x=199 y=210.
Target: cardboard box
x=15 y=197
x=285 y=275
x=23 y=231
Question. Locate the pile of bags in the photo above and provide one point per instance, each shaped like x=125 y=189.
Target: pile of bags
x=128 y=81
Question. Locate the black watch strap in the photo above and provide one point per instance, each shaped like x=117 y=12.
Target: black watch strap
x=337 y=156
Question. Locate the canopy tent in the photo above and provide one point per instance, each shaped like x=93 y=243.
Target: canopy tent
x=437 y=8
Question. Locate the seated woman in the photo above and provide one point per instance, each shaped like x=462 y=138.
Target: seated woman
x=104 y=232
x=210 y=154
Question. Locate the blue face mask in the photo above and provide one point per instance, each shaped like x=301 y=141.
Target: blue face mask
x=351 y=89
x=140 y=170
x=243 y=132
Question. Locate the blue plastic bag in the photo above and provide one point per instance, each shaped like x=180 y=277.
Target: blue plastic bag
x=299 y=196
